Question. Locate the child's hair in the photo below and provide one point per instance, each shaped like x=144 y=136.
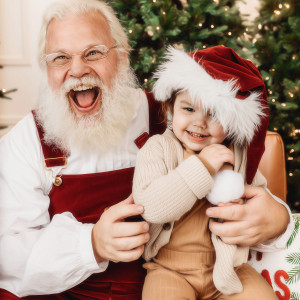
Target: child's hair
x=167 y=107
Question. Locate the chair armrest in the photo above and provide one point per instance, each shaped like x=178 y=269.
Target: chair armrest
x=272 y=165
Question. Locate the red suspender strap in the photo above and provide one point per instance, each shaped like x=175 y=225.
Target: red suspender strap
x=54 y=157
x=156 y=121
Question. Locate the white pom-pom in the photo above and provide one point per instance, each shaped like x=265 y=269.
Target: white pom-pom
x=229 y=185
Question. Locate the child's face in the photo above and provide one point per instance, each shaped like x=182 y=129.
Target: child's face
x=193 y=127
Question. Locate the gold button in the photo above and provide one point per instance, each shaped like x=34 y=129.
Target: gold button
x=167 y=226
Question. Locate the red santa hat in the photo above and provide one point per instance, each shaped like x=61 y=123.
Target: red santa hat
x=225 y=84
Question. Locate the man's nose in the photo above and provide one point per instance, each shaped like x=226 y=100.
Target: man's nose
x=78 y=67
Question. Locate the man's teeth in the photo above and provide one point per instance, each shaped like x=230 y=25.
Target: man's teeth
x=82 y=88
x=196 y=134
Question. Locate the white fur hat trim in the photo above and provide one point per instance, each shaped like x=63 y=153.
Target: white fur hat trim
x=239 y=118
x=228 y=186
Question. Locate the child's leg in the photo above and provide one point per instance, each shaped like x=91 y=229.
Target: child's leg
x=254 y=286
x=164 y=284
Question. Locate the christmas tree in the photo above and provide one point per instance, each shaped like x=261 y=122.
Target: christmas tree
x=276 y=38
x=272 y=44
x=152 y=25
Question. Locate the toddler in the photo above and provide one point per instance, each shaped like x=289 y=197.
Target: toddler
x=216 y=107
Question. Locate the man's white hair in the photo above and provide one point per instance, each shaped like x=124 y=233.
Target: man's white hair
x=60 y=9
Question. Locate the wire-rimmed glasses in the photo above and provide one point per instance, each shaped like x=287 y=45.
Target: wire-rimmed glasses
x=91 y=54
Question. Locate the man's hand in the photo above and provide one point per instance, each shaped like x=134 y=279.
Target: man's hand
x=258 y=220
x=116 y=240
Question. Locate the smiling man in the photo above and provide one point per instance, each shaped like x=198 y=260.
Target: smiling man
x=71 y=162
x=67 y=229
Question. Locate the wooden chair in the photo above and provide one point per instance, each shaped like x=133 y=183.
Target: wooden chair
x=272 y=165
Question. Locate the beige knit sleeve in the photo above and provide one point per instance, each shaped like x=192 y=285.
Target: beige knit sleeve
x=167 y=193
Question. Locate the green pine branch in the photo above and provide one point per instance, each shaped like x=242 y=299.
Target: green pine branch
x=294 y=275
x=293 y=258
x=295 y=296
x=295 y=232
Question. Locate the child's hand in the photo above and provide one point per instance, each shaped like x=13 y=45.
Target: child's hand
x=217 y=155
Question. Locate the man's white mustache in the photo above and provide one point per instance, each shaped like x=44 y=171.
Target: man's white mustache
x=83 y=82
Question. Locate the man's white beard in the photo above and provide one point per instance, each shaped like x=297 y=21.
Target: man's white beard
x=98 y=132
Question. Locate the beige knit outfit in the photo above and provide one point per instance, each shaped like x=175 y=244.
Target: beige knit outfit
x=180 y=244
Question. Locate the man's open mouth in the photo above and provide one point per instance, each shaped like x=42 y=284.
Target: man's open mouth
x=85 y=98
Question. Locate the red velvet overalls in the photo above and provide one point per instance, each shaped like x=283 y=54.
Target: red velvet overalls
x=121 y=281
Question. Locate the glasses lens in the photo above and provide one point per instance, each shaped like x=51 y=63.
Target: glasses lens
x=58 y=59
x=96 y=53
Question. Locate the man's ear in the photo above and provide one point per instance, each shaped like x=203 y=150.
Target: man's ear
x=124 y=59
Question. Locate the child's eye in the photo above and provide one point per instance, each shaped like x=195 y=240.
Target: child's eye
x=189 y=109
x=209 y=114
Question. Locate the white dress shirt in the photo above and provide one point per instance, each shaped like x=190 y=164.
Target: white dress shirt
x=39 y=256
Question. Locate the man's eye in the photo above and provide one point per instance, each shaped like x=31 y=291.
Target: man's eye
x=60 y=58
x=94 y=54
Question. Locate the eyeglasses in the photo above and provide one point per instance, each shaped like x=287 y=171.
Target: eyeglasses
x=60 y=59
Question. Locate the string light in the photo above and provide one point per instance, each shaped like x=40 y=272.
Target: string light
x=154 y=1
x=291 y=94
x=280 y=5
x=287 y=5
x=294 y=56
x=226 y=9
x=259 y=26
x=283 y=104
x=267 y=78
x=212 y=26
x=150 y=31
x=229 y=33
x=292 y=150
x=291 y=174
x=277 y=12
x=146 y=80
x=130 y=31
x=203 y=46
x=290 y=158
x=273 y=100
x=200 y=24
x=157 y=28
x=275 y=129
x=164 y=12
